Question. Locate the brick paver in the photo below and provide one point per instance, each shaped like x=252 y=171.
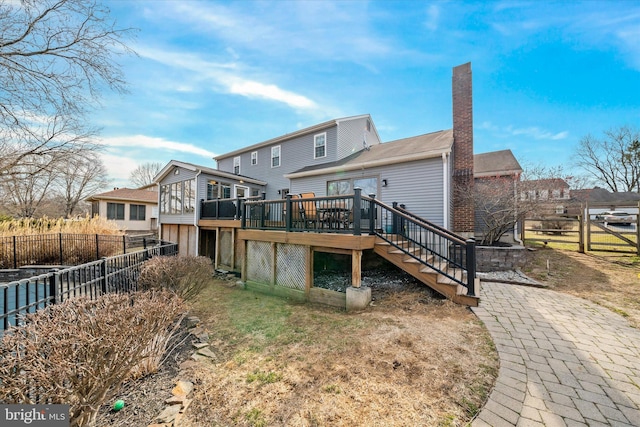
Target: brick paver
x=564 y=361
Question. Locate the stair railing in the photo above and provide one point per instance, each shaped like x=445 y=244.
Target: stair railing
x=435 y=247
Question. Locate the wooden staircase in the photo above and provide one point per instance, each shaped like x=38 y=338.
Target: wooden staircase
x=420 y=265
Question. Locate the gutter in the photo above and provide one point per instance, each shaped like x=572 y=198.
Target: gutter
x=365 y=165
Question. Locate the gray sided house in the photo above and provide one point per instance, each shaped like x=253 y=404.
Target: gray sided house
x=274 y=243
x=272 y=160
x=182 y=188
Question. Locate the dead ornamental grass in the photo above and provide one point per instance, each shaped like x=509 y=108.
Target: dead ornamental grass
x=409 y=360
x=85 y=225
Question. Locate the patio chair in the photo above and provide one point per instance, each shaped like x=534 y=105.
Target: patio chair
x=309 y=210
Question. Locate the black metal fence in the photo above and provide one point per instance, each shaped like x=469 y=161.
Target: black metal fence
x=110 y=274
x=65 y=249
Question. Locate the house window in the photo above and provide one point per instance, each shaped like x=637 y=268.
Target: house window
x=164 y=199
x=236 y=165
x=226 y=190
x=212 y=190
x=115 y=211
x=555 y=194
x=190 y=195
x=336 y=188
x=254 y=158
x=137 y=212
x=544 y=194
x=176 y=199
x=320 y=145
x=275 y=156
x=367 y=185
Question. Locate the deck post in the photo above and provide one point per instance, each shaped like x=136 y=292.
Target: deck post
x=373 y=214
x=289 y=213
x=471 y=266
x=357 y=211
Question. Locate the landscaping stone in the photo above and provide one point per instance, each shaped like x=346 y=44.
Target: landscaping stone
x=182 y=388
x=169 y=414
x=192 y=321
x=199 y=345
x=206 y=352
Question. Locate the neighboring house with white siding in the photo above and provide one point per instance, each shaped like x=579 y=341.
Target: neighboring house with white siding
x=132 y=209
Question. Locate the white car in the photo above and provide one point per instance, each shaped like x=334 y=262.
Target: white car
x=616 y=217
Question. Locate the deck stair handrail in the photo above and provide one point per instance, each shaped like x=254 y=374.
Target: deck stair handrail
x=434 y=247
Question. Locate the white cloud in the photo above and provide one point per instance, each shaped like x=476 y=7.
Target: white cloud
x=272 y=92
x=224 y=80
x=119 y=167
x=433 y=15
x=529 y=132
x=143 y=141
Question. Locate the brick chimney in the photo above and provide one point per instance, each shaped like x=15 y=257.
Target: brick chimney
x=463 y=212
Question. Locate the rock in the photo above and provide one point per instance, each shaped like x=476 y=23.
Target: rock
x=200 y=345
x=182 y=388
x=199 y=358
x=192 y=321
x=196 y=331
x=185 y=405
x=176 y=400
x=169 y=413
x=206 y=352
x=203 y=337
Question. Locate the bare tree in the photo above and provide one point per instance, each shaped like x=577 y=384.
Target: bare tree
x=613 y=160
x=144 y=174
x=29 y=185
x=55 y=57
x=79 y=177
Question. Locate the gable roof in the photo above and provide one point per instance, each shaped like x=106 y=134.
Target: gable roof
x=602 y=195
x=311 y=129
x=549 y=183
x=399 y=151
x=197 y=168
x=495 y=163
x=128 y=194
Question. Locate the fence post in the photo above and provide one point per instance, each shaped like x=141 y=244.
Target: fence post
x=103 y=273
x=581 y=234
x=638 y=231
x=97 y=247
x=471 y=266
x=587 y=220
x=124 y=244
x=15 y=254
x=53 y=286
x=357 y=211
x=61 y=255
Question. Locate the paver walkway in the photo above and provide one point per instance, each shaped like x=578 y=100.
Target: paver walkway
x=564 y=361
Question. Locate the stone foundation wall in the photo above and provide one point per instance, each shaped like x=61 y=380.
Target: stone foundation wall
x=489 y=258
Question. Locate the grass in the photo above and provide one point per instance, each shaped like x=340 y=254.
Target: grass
x=30 y=226
x=409 y=360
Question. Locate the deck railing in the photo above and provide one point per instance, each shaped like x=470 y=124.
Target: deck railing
x=113 y=274
x=436 y=247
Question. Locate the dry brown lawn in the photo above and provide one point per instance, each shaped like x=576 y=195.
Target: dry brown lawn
x=409 y=360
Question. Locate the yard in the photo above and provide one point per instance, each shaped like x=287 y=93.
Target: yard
x=410 y=359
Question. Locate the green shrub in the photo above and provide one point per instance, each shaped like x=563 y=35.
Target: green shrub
x=79 y=352
x=184 y=275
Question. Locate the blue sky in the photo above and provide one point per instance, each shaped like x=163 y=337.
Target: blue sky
x=213 y=76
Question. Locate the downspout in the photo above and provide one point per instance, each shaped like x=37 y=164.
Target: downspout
x=196 y=215
x=445 y=191
x=516 y=230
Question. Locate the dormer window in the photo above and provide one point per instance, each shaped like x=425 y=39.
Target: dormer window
x=236 y=165
x=320 y=145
